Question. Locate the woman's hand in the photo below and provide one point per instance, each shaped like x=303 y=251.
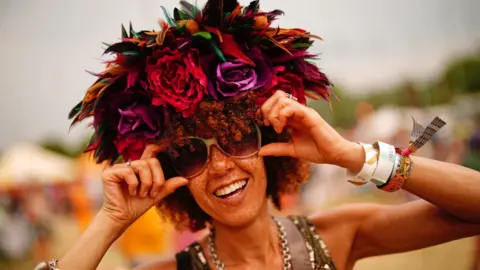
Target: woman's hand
x=312 y=139
x=130 y=190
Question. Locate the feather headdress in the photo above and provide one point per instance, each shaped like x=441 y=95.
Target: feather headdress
x=216 y=53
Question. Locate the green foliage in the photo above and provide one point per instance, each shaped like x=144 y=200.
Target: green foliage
x=60 y=148
x=463 y=75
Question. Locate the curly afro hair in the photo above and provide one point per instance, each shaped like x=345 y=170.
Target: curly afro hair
x=228 y=122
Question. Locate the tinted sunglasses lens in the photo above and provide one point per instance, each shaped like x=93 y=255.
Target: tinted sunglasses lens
x=188 y=156
x=249 y=144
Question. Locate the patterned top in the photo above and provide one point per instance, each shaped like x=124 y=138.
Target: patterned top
x=308 y=249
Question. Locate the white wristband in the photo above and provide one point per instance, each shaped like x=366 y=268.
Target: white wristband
x=386 y=163
x=368 y=169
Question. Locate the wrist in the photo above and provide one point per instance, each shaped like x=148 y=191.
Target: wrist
x=114 y=225
x=352 y=157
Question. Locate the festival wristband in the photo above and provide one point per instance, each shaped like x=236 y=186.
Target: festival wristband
x=368 y=169
x=401 y=174
x=385 y=163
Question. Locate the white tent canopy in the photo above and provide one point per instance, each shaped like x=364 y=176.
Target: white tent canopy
x=32 y=164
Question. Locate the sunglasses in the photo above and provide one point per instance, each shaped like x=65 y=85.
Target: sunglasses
x=190 y=155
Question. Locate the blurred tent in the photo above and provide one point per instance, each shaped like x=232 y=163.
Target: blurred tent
x=29 y=164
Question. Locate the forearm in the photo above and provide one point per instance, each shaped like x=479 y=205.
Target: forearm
x=453 y=188
x=89 y=250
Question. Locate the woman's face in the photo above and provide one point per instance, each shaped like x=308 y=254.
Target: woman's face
x=232 y=191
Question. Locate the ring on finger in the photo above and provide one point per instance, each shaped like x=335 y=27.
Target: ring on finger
x=290 y=96
x=128 y=164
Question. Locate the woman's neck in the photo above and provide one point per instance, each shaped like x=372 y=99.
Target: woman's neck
x=257 y=242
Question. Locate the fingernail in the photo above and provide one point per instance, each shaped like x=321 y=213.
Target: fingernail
x=266 y=122
x=154 y=194
x=145 y=194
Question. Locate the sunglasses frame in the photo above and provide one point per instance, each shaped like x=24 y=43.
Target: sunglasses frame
x=213 y=141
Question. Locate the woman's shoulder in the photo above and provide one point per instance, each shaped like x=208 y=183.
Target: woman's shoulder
x=169 y=263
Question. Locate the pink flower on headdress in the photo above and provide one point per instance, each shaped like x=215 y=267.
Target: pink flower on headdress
x=286 y=81
x=175 y=78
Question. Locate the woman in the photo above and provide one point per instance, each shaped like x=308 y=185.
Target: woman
x=199 y=114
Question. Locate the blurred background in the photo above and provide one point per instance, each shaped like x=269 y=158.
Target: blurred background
x=390 y=60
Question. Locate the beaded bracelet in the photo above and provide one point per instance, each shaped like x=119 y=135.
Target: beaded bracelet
x=51 y=265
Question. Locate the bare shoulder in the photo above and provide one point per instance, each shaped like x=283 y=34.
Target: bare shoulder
x=338 y=227
x=164 y=264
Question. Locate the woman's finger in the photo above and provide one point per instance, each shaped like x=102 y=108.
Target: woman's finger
x=267 y=106
x=169 y=187
x=293 y=110
x=157 y=176
x=142 y=168
x=122 y=173
x=278 y=150
x=281 y=103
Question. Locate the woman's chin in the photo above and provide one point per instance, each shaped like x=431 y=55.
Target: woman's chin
x=242 y=210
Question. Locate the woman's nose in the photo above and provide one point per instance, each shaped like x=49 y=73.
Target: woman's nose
x=220 y=164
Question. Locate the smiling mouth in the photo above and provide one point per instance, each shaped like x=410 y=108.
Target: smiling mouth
x=231 y=189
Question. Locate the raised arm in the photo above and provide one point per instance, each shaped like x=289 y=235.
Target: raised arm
x=451 y=187
x=129 y=190
x=450 y=208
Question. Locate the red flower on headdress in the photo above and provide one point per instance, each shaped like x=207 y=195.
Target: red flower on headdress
x=286 y=81
x=131 y=147
x=175 y=78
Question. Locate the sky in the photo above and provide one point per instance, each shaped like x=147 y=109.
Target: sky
x=46 y=46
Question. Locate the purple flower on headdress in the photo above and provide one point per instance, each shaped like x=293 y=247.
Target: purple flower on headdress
x=139 y=118
x=228 y=79
x=234 y=77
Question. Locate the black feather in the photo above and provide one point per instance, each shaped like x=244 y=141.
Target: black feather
x=229 y=5
x=124 y=32
x=176 y=14
x=253 y=6
x=75 y=110
x=121 y=47
x=215 y=9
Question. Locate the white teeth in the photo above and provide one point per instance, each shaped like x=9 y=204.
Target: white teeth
x=231 y=188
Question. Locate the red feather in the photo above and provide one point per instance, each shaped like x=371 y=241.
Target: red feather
x=230 y=47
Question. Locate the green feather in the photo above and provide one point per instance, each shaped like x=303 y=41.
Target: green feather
x=131 y=53
x=104 y=81
x=182 y=28
x=181 y=15
x=132 y=32
x=218 y=51
x=170 y=21
x=301 y=45
x=205 y=35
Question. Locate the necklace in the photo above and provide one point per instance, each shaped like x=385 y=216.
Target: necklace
x=287 y=264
